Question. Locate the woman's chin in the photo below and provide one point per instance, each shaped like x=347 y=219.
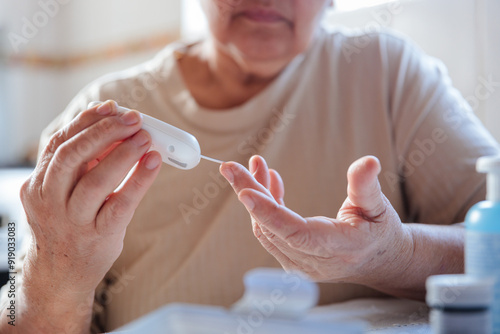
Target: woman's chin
x=264 y=50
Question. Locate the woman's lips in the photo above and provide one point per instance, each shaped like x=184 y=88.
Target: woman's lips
x=262 y=16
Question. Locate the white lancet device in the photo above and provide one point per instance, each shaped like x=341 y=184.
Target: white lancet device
x=177 y=148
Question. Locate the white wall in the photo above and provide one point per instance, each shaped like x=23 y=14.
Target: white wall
x=33 y=93
x=491 y=26
x=79 y=26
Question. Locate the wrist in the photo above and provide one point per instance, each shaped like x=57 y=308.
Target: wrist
x=52 y=302
x=45 y=312
x=394 y=261
x=420 y=250
x=62 y=273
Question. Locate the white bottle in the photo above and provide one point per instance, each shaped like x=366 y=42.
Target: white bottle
x=482 y=239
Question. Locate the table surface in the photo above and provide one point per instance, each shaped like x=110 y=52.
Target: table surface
x=384 y=316
x=377 y=316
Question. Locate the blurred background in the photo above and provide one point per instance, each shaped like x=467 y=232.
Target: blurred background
x=50 y=49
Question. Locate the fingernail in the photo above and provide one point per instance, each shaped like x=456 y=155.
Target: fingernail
x=248 y=202
x=130 y=117
x=227 y=172
x=140 y=138
x=152 y=162
x=253 y=165
x=105 y=108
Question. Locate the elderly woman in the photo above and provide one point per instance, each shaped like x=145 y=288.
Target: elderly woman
x=267 y=81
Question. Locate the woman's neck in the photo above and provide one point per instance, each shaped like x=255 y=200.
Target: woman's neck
x=228 y=62
x=218 y=79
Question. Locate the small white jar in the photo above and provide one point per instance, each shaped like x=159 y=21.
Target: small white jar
x=460 y=304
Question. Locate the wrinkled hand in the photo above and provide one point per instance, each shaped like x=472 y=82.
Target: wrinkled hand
x=366 y=243
x=77 y=218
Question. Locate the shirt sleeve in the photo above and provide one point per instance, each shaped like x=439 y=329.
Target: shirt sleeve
x=437 y=138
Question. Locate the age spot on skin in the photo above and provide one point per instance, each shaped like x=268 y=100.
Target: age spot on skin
x=380 y=252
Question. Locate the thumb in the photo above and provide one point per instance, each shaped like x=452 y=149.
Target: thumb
x=363 y=188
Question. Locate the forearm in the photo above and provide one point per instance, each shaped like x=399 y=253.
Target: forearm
x=435 y=250
x=43 y=310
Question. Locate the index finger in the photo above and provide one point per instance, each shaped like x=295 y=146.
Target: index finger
x=240 y=178
x=85 y=119
x=284 y=223
x=70 y=161
x=287 y=230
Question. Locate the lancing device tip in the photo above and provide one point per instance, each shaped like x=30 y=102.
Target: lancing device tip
x=213 y=160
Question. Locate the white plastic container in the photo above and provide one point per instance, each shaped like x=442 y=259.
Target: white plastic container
x=460 y=304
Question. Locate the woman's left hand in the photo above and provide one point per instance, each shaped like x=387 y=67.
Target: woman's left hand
x=366 y=243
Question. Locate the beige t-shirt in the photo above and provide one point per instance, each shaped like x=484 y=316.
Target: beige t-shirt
x=347 y=96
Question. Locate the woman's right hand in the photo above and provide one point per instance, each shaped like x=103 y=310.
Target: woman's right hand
x=78 y=220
